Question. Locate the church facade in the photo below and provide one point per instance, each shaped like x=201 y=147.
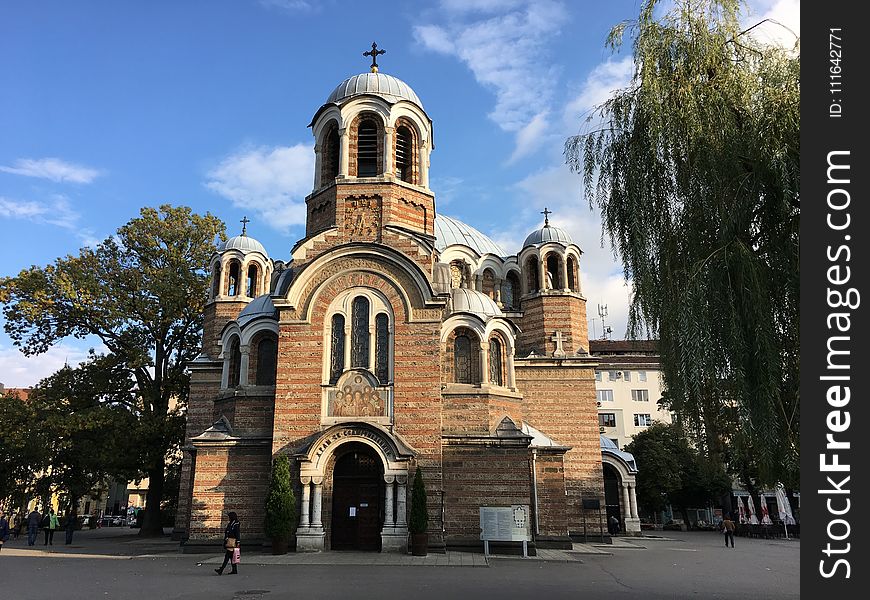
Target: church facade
x=394 y=338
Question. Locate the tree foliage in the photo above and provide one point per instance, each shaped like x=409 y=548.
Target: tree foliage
x=419 y=521
x=280 y=519
x=141 y=293
x=22 y=455
x=695 y=168
x=672 y=472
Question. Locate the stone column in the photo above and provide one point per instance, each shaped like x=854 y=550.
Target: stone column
x=318 y=161
x=305 y=521
x=344 y=152
x=389 y=519
x=243 y=368
x=388 y=151
x=484 y=363
x=424 y=164
x=496 y=290
x=317 y=504
x=225 y=373
x=401 y=501
x=632 y=489
x=626 y=513
x=542 y=274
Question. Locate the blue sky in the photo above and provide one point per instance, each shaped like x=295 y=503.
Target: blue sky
x=106 y=107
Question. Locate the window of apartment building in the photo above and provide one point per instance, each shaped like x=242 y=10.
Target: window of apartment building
x=612 y=375
x=642 y=420
x=641 y=375
x=607 y=419
x=640 y=395
x=604 y=395
x=597 y=375
x=626 y=375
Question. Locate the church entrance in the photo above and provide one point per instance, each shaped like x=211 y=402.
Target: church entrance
x=357 y=500
x=612 y=490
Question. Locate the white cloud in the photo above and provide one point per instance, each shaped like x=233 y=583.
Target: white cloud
x=56 y=211
x=22 y=371
x=600 y=84
x=506 y=51
x=785 y=21
x=272 y=182
x=530 y=137
x=288 y=5
x=54 y=169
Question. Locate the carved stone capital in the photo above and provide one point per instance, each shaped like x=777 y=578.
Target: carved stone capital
x=305 y=480
x=389 y=478
x=317 y=480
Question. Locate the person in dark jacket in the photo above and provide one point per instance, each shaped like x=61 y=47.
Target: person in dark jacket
x=33 y=521
x=230 y=533
x=70 y=526
x=4 y=529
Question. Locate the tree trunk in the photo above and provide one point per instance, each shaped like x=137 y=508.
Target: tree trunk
x=152 y=525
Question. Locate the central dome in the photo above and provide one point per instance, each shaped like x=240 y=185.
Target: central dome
x=449 y=231
x=387 y=87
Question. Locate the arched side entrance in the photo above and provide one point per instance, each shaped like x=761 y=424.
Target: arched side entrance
x=620 y=486
x=357 y=499
x=364 y=471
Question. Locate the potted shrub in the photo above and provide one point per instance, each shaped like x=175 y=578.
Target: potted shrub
x=280 y=520
x=419 y=522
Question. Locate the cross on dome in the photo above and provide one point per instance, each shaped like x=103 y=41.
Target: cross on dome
x=546 y=214
x=244 y=221
x=374 y=54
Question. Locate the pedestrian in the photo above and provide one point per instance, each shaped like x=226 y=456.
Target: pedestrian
x=70 y=526
x=728 y=530
x=613 y=525
x=33 y=521
x=49 y=523
x=15 y=523
x=4 y=529
x=231 y=545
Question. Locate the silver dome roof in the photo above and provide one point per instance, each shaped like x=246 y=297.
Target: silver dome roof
x=387 y=87
x=261 y=306
x=548 y=233
x=244 y=244
x=472 y=301
x=449 y=232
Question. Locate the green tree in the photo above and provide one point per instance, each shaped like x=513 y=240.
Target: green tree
x=141 y=293
x=85 y=428
x=22 y=454
x=671 y=471
x=419 y=521
x=695 y=168
x=280 y=519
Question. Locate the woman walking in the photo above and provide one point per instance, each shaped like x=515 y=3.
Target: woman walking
x=231 y=545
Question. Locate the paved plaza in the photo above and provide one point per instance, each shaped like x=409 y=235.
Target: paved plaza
x=114 y=563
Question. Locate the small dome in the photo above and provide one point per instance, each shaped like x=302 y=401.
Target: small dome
x=472 y=301
x=449 y=232
x=244 y=243
x=259 y=307
x=387 y=87
x=546 y=234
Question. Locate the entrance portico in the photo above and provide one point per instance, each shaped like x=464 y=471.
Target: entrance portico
x=341 y=458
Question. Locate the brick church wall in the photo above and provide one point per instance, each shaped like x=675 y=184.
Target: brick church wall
x=547 y=313
x=552 y=513
x=560 y=402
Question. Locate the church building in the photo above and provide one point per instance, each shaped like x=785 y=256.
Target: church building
x=393 y=338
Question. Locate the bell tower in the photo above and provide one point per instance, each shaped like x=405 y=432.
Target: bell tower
x=372 y=144
x=554 y=308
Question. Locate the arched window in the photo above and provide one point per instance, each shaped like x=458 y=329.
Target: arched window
x=251 y=282
x=367 y=149
x=572 y=274
x=382 y=348
x=495 y=357
x=216 y=281
x=267 y=361
x=554 y=278
x=466 y=362
x=235 y=365
x=511 y=291
x=404 y=154
x=330 y=156
x=233 y=279
x=532 y=274
x=336 y=363
x=359 y=334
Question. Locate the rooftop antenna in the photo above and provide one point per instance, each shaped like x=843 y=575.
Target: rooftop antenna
x=602 y=313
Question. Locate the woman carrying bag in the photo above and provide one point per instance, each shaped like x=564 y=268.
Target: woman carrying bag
x=231 y=545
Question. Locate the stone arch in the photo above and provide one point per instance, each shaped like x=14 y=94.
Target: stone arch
x=533 y=278
x=512 y=290
x=573 y=282
x=234 y=278
x=406 y=150
x=393 y=452
x=552 y=265
x=263 y=358
x=369 y=148
x=329 y=142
